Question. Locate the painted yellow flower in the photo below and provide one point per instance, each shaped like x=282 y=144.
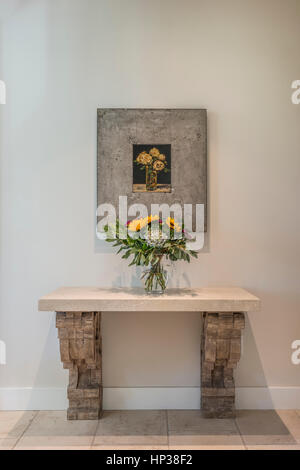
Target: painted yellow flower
x=140 y=157
x=154 y=152
x=158 y=165
x=172 y=224
x=144 y=158
x=162 y=157
x=147 y=159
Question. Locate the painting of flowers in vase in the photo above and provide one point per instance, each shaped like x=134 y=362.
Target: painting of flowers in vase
x=152 y=168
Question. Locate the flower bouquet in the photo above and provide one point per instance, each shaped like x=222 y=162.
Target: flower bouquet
x=149 y=240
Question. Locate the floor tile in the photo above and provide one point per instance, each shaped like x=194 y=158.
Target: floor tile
x=7 y=444
x=188 y=428
x=274 y=447
x=291 y=419
x=263 y=427
x=129 y=447
x=212 y=447
x=52 y=430
x=132 y=428
x=14 y=423
x=147 y=430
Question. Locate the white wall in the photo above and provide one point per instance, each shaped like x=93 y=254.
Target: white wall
x=64 y=58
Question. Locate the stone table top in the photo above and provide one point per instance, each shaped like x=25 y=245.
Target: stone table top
x=94 y=299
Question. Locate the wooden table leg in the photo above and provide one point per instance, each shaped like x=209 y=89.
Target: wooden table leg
x=80 y=348
x=220 y=351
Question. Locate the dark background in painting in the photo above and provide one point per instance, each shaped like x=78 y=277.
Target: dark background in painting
x=139 y=177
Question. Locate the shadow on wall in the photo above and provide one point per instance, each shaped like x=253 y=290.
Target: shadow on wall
x=50 y=368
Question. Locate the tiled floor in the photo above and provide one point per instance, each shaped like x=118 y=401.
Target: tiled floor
x=157 y=430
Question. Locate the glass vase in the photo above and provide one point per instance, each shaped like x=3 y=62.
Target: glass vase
x=151 y=178
x=155 y=279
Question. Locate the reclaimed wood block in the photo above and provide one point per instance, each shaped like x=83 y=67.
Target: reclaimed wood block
x=79 y=334
x=80 y=347
x=65 y=350
x=75 y=393
x=219 y=407
x=87 y=401
x=89 y=333
x=211 y=325
x=223 y=348
x=225 y=321
x=232 y=364
x=73 y=377
x=83 y=414
x=77 y=320
x=89 y=349
x=218 y=376
x=228 y=378
x=235 y=351
x=210 y=349
x=219 y=392
x=60 y=319
x=76 y=349
x=68 y=365
x=96 y=377
x=221 y=351
x=228 y=333
x=63 y=333
x=92 y=392
x=239 y=321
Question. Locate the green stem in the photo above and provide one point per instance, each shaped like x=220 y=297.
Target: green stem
x=155 y=276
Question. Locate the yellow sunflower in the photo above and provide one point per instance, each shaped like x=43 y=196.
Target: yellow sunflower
x=173 y=225
x=145 y=222
x=158 y=165
x=135 y=225
x=152 y=218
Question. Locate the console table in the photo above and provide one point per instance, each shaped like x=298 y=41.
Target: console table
x=78 y=319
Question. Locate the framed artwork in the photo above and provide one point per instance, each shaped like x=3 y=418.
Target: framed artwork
x=152 y=156
x=151 y=168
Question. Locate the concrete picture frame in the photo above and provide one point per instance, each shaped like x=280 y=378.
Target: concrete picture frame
x=184 y=129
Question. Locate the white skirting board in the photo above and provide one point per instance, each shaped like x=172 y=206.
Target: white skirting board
x=149 y=398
